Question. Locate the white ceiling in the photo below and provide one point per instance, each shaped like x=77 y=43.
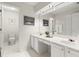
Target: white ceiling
x=32 y=3
x=24 y=3
x=35 y=5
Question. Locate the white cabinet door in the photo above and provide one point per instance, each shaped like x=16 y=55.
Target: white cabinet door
x=75 y=23
x=32 y=42
x=57 y=50
x=71 y=53
x=35 y=44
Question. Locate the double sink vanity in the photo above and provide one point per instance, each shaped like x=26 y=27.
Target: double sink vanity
x=59 y=46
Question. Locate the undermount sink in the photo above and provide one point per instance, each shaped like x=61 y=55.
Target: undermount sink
x=68 y=41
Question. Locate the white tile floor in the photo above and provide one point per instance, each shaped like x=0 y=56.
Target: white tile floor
x=14 y=51
x=9 y=52
x=30 y=53
x=17 y=54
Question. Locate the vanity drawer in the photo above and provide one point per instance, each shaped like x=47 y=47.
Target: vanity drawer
x=57 y=50
x=71 y=53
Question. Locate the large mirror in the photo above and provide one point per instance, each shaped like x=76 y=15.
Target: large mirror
x=67 y=20
x=64 y=21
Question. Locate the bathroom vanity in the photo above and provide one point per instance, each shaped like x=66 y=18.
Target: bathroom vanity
x=37 y=45
x=60 y=47
x=64 y=21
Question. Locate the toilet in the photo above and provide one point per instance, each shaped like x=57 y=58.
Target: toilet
x=12 y=39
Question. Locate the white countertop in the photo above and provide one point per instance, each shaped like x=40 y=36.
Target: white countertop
x=59 y=40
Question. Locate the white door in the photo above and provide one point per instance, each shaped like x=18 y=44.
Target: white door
x=57 y=50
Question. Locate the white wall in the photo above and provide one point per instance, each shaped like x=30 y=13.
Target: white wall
x=26 y=30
